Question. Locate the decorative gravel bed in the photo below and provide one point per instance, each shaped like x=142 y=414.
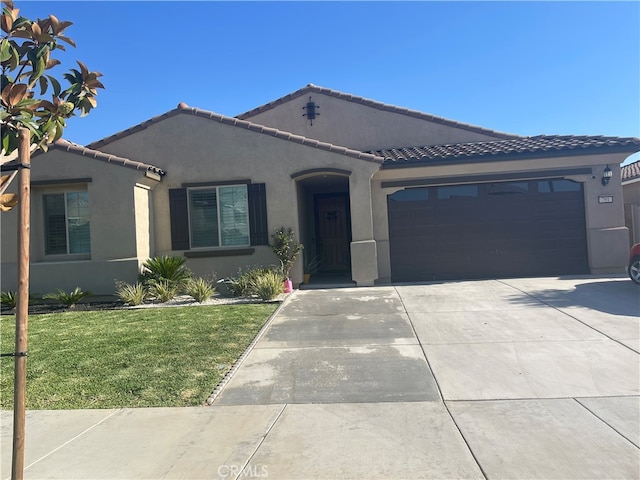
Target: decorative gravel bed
x=179 y=301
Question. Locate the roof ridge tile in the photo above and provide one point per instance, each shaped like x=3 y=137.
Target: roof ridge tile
x=102 y=156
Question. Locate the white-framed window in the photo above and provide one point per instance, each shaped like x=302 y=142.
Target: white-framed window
x=66 y=223
x=219 y=216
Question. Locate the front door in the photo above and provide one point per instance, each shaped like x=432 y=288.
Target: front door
x=334 y=233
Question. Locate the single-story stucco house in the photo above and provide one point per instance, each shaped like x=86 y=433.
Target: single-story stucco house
x=379 y=193
x=631 y=195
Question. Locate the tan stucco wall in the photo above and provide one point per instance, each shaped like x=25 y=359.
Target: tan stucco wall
x=631 y=191
x=606 y=233
x=143 y=215
x=114 y=236
x=193 y=149
x=361 y=127
x=96 y=276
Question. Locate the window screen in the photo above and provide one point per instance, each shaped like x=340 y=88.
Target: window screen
x=66 y=221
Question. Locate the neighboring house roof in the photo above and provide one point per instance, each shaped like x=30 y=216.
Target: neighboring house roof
x=310 y=88
x=523 y=147
x=630 y=171
x=233 y=121
x=105 y=157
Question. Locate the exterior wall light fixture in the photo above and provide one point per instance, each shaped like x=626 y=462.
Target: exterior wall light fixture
x=606 y=176
x=311 y=111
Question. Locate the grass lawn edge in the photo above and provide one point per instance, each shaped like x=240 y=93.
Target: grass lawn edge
x=225 y=380
x=205 y=395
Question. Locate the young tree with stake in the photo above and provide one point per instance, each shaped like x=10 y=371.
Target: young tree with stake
x=29 y=121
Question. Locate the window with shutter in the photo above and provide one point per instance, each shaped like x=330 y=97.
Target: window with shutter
x=218 y=216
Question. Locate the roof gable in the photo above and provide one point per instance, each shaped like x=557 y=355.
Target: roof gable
x=313 y=89
x=236 y=122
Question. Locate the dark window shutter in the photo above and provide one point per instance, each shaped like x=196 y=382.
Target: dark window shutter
x=179 y=215
x=258 y=228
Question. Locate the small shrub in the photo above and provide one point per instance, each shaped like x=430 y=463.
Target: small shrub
x=130 y=294
x=70 y=299
x=267 y=284
x=165 y=268
x=200 y=289
x=286 y=248
x=162 y=290
x=10 y=299
x=242 y=285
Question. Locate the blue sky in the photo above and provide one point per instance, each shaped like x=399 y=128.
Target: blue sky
x=528 y=68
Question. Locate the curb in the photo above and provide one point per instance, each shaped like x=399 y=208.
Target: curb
x=223 y=383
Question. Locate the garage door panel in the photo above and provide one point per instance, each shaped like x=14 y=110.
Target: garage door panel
x=483 y=234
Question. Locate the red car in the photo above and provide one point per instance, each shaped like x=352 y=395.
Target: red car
x=634 y=263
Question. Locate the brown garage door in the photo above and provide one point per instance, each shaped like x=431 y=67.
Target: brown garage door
x=488 y=230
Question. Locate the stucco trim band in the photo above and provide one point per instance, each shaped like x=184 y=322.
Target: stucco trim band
x=416 y=182
x=227 y=252
x=61 y=181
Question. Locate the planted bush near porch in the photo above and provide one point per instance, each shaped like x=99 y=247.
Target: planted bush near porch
x=129 y=358
x=265 y=283
x=286 y=248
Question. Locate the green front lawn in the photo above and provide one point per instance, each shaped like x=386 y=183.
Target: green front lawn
x=155 y=357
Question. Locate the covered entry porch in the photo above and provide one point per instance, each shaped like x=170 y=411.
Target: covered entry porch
x=329 y=228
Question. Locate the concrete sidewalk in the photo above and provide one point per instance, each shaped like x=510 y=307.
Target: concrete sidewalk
x=518 y=378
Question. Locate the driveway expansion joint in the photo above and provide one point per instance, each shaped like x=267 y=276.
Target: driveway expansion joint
x=609 y=424
x=424 y=353
x=74 y=438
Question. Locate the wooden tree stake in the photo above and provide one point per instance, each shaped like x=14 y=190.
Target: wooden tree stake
x=22 y=307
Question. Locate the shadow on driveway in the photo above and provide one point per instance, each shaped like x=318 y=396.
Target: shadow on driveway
x=617 y=296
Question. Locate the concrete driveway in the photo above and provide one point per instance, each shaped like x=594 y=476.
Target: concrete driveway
x=518 y=378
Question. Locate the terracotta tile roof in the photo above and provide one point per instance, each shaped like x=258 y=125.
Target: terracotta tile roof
x=105 y=157
x=374 y=104
x=630 y=171
x=542 y=145
x=236 y=122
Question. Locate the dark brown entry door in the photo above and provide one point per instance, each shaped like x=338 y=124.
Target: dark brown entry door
x=333 y=232
x=493 y=230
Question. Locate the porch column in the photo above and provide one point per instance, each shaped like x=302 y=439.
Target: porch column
x=607 y=236
x=364 y=255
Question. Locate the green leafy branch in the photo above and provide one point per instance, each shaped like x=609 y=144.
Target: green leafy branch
x=26 y=60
